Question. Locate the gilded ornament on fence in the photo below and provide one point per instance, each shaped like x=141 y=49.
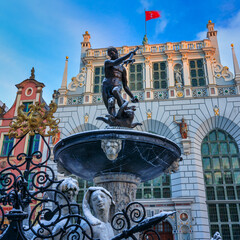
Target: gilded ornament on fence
x=36 y=120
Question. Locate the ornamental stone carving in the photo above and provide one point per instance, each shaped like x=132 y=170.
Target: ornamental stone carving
x=222 y=72
x=174 y=167
x=111 y=148
x=78 y=81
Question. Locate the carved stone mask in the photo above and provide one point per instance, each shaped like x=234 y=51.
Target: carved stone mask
x=111 y=147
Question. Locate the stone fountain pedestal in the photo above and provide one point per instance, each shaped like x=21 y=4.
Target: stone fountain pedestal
x=122 y=186
x=117 y=159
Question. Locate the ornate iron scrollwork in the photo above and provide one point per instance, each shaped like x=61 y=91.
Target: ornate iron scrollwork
x=56 y=216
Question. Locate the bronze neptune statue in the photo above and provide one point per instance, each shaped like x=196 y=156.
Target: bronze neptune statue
x=115 y=79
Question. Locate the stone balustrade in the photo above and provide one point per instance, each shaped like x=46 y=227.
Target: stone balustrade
x=154 y=48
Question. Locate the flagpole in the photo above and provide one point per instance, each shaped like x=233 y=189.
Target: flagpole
x=145 y=22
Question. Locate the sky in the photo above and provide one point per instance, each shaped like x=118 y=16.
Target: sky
x=41 y=33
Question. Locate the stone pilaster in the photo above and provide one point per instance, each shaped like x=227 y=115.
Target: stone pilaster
x=211 y=81
x=186 y=76
x=209 y=69
x=171 y=87
x=89 y=76
x=148 y=79
x=89 y=83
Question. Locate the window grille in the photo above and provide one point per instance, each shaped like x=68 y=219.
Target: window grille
x=98 y=78
x=159 y=75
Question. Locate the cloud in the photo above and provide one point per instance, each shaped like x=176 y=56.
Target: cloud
x=227 y=34
x=145 y=4
x=161 y=25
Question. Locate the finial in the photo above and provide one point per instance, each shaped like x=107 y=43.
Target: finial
x=66 y=57
x=86 y=32
x=210 y=21
x=32 y=73
x=232 y=45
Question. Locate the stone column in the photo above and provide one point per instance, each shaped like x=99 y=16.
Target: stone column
x=122 y=186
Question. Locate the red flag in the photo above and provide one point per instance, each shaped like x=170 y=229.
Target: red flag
x=151 y=15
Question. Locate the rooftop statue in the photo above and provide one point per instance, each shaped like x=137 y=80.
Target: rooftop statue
x=115 y=79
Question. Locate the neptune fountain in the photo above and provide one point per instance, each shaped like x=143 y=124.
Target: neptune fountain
x=117 y=158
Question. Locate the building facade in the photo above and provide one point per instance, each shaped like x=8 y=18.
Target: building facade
x=29 y=92
x=178 y=85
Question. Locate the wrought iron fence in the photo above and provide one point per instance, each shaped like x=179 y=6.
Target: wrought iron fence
x=56 y=216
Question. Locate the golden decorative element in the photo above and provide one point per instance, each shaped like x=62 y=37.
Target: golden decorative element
x=225 y=71
x=179 y=94
x=86 y=32
x=86 y=118
x=210 y=21
x=216 y=110
x=149 y=114
x=36 y=120
x=232 y=45
x=67 y=57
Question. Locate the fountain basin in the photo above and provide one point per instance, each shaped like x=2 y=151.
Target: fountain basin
x=144 y=154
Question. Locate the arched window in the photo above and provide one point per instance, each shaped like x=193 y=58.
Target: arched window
x=221 y=165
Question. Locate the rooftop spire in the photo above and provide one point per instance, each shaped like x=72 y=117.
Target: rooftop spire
x=212 y=35
x=85 y=45
x=64 y=80
x=32 y=73
x=235 y=64
x=86 y=40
